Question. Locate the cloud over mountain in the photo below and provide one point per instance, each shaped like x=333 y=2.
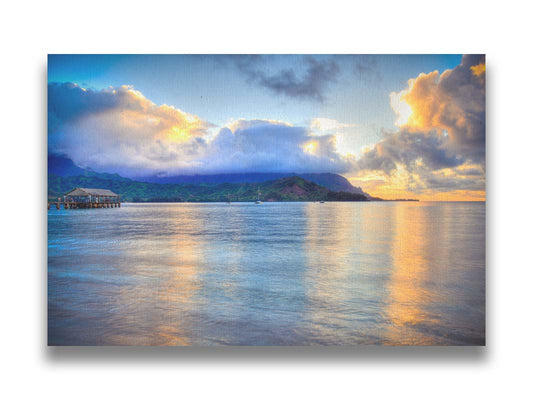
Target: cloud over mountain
x=260 y=146
x=119 y=130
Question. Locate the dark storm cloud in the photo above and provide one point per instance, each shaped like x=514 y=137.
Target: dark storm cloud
x=312 y=84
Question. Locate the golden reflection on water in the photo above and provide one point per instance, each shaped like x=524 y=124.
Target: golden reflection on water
x=408 y=292
x=333 y=273
x=172 y=262
x=394 y=281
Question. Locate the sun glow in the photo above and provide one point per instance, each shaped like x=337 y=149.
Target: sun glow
x=310 y=147
x=178 y=134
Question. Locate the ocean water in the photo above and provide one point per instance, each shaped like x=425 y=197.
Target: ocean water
x=392 y=273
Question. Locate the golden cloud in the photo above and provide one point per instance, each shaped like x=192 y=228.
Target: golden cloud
x=451 y=104
x=119 y=126
x=439 y=150
x=166 y=122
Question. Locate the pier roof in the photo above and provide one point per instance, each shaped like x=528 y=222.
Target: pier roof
x=90 y=192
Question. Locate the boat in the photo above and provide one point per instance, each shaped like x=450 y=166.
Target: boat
x=258 y=201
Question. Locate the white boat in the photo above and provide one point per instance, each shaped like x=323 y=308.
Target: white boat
x=258 y=201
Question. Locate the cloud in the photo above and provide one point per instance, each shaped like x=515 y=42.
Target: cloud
x=261 y=146
x=411 y=149
x=349 y=137
x=439 y=144
x=328 y=125
x=119 y=130
x=451 y=104
x=312 y=84
x=441 y=119
x=366 y=68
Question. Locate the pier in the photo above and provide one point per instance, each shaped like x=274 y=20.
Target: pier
x=86 y=198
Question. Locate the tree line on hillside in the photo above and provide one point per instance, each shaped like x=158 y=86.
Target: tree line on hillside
x=286 y=189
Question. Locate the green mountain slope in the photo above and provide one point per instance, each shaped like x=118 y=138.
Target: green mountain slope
x=285 y=189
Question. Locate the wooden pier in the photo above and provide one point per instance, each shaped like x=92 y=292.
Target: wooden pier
x=74 y=204
x=86 y=198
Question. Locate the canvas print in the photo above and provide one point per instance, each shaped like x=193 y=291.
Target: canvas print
x=284 y=200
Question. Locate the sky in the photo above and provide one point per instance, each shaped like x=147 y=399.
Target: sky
x=396 y=125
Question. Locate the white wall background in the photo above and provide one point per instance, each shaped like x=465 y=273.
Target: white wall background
x=30 y=30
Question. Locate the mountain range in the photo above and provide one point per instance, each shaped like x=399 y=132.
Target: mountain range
x=63 y=175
